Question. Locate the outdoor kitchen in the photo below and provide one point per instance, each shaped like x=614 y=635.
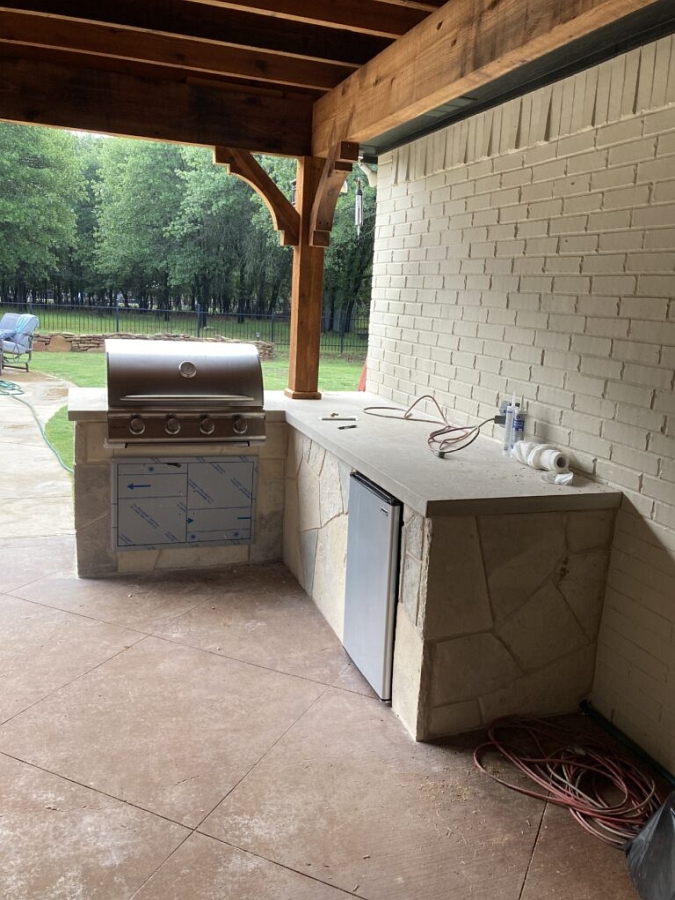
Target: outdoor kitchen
x=150 y=475
x=414 y=641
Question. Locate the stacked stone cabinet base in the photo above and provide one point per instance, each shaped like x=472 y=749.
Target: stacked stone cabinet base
x=93 y=504
x=497 y=614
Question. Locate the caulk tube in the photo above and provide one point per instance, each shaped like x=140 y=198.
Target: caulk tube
x=518 y=425
x=511 y=411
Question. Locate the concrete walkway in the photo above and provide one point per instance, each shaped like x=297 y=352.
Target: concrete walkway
x=36 y=491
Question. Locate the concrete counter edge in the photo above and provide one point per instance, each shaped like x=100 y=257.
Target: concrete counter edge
x=485 y=483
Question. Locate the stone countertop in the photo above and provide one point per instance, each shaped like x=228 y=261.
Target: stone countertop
x=479 y=480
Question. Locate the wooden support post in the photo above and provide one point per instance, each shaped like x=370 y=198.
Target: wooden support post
x=307 y=290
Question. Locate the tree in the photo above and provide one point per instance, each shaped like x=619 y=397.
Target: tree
x=274 y=262
x=85 y=282
x=227 y=255
x=138 y=195
x=92 y=217
x=40 y=184
x=349 y=258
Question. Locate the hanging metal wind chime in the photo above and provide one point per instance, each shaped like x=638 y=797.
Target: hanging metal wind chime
x=358 y=207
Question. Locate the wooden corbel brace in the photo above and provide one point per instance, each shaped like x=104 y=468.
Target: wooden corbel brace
x=284 y=215
x=337 y=166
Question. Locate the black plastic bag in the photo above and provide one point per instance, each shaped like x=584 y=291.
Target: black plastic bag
x=651 y=855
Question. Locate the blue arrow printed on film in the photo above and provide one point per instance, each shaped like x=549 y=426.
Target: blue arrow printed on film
x=134 y=486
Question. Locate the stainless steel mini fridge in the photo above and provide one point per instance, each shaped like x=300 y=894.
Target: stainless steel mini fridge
x=373 y=546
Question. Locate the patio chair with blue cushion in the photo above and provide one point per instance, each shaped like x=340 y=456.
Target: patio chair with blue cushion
x=16 y=339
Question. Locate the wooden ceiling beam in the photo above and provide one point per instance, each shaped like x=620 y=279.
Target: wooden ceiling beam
x=263 y=121
x=154 y=73
x=234 y=27
x=365 y=16
x=168 y=50
x=465 y=44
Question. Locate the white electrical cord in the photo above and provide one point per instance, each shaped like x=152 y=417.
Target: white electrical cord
x=447 y=439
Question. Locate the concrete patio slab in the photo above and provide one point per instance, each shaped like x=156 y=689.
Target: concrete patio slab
x=310 y=790
x=62 y=841
x=348 y=793
x=164 y=727
x=27 y=559
x=263 y=617
x=210 y=870
x=54 y=646
x=202 y=734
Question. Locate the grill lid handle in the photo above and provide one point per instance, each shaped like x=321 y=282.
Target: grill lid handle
x=189 y=398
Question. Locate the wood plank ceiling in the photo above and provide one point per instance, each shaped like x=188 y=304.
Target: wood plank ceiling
x=245 y=74
x=292 y=77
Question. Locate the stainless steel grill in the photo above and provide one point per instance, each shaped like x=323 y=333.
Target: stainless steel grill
x=190 y=391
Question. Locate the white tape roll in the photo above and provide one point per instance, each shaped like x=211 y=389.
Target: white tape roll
x=552 y=460
x=541 y=456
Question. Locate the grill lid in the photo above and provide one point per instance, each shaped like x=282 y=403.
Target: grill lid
x=163 y=375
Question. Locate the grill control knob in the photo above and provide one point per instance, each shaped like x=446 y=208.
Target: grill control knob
x=137 y=425
x=172 y=425
x=240 y=426
x=207 y=425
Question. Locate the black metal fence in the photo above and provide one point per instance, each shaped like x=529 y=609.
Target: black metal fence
x=342 y=335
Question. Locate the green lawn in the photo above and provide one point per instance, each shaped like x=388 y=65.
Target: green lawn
x=88 y=370
x=82 y=369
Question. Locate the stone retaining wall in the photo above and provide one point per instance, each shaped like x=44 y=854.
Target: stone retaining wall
x=93 y=505
x=83 y=343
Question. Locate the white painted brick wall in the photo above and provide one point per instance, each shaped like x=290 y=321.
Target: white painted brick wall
x=532 y=248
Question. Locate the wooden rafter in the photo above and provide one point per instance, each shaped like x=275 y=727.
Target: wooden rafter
x=284 y=215
x=208 y=57
x=463 y=45
x=230 y=27
x=426 y=5
x=366 y=16
x=370 y=65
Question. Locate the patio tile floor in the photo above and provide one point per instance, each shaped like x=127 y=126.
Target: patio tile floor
x=204 y=737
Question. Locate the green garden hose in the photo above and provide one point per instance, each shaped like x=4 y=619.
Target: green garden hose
x=10 y=389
